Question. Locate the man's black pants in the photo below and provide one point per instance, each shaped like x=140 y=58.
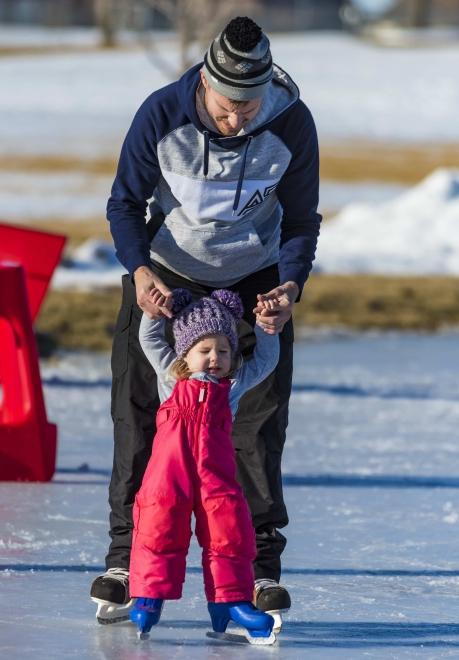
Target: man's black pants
x=258 y=431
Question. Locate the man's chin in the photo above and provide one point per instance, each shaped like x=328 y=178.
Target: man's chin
x=227 y=132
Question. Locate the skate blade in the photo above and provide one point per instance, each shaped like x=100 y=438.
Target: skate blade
x=277 y=616
x=108 y=613
x=143 y=635
x=243 y=638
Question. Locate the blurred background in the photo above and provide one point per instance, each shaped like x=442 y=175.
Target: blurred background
x=381 y=78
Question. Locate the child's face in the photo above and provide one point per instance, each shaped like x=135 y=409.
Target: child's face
x=212 y=355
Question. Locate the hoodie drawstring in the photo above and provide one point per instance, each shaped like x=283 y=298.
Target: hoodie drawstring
x=206 y=153
x=205 y=166
x=241 y=175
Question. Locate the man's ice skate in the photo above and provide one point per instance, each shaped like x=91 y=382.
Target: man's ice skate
x=146 y=614
x=111 y=593
x=272 y=598
x=257 y=625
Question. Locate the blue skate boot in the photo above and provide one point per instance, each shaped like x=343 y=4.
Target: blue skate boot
x=146 y=614
x=258 y=625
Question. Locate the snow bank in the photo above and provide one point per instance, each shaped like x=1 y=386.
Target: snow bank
x=416 y=233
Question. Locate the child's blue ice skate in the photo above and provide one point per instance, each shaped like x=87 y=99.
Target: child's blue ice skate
x=146 y=614
x=257 y=624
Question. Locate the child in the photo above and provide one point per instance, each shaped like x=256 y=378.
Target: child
x=192 y=467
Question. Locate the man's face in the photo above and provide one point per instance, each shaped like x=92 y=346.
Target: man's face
x=228 y=116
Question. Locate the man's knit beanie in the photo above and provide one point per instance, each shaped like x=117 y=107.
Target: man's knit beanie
x=216 y=314
x=238 y=63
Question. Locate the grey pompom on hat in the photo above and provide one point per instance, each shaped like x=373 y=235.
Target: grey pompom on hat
x=238 y=63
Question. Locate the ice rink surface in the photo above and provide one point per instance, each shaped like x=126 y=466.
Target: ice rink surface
x=371 y=476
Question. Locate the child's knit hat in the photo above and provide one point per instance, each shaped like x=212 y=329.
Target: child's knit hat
x=216 y=314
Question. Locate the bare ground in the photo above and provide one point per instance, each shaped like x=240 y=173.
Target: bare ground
x=354 y=160
x=86 y=320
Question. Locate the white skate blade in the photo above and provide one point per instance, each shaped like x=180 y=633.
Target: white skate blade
x=227 y=637
x=261 y=641
x=108 y=612
x=242 y=638
x=277 y=616
x=142 y=635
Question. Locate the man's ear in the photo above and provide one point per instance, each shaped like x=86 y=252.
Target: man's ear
x=204 y=82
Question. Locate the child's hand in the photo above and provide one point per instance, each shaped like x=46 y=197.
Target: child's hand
x=156 y=297
x=268 y=301
x=274 y=308
x=147 y=282
x=268 y=305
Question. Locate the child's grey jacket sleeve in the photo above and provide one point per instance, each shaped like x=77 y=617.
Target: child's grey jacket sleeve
x=264 y=360
x=157 y=350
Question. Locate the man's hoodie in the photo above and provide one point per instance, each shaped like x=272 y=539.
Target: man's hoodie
x=224 y=207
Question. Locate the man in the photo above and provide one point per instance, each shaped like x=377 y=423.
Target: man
x=229 y=155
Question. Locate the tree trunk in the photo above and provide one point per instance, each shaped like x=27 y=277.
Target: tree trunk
x=419 y=13
x=105 y=12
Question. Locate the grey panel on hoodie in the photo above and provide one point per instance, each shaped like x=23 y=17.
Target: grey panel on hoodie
x=203 y=237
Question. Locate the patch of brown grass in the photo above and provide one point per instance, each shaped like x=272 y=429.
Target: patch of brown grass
x=63 y=49
x=44 y=164
x=77 y=320
x=340 y=161
x=380 y=302
x=396 y=163
x=14 y=51
x=80 y=320
x=77 y=231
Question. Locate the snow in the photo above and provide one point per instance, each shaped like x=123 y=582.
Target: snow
x=27 y=197
x=334 y=195
x=63 y=196
x=93 y=264
x=415 y=233
x=14 y=36
x=82 y=103
x=371 y=481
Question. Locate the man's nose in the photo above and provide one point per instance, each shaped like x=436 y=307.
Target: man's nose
x=235 y=121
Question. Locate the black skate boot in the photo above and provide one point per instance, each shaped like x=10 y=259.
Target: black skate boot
x=111 y=593
x=271 y=597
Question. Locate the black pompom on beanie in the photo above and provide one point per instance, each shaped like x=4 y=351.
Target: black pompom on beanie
x=238 y=63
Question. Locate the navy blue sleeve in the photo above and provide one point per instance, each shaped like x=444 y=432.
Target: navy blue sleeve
x=298 y=193
x=137 y=176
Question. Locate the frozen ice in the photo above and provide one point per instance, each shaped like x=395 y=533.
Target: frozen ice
x=371 y=479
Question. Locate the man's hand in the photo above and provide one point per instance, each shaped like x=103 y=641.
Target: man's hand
x=153 y=296
x=274 y=308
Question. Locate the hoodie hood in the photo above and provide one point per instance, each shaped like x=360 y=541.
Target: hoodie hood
x=279 y=97
x=281 y=94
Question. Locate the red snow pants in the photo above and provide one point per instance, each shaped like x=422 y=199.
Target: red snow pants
x=192 y=469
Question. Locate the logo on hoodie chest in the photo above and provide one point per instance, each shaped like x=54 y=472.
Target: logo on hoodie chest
x=257 y=198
